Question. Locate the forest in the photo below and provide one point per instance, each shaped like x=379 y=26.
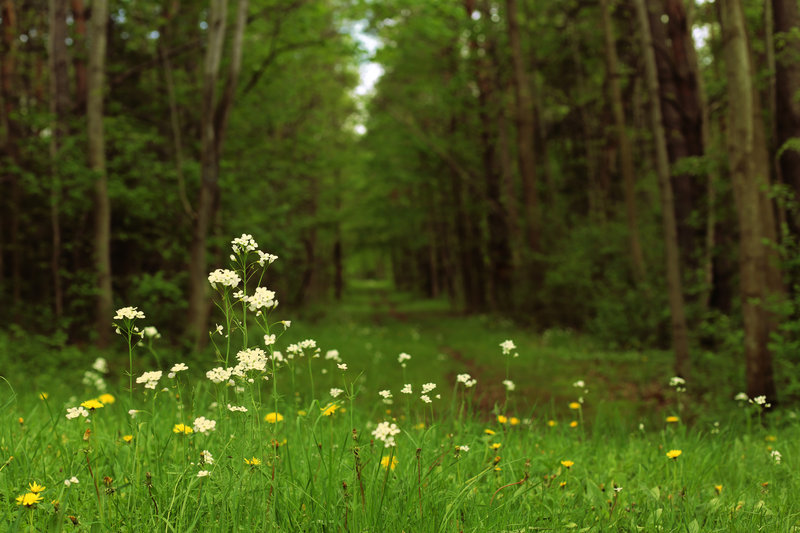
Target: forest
x=534 y=252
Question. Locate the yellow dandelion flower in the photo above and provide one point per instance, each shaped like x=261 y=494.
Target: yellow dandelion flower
x=29 y=500
x=497 y=469
x=568 y=464
x=385 y=462
x=674 y=454
x=301 y=412
x=770 y=438
x=329 y=409
x=495 y=445
x=502 y=419
x=255 y=461
x=43 y=395
x=496 y=459
x=273 y=418
x=718 y=489
x=513 y=421
x=106 y=399
x=35 y=487
x=574 y=405
x=127 y=438
x=92 y=404
x=673 y=420
x=183 y=429
x=573 y=424
x=562 y=484
x=552 y=423
x=21 y=420
x=421 y=425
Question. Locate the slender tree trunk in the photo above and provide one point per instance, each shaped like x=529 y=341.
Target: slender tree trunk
x=624 y=144
x=525 y=130
x=97 y=164
x=753 y=256
x=79 y=58
x=680 y=334
x=787 y=84
x=59 y=108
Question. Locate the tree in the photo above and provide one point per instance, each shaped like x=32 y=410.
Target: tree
x=97 y=164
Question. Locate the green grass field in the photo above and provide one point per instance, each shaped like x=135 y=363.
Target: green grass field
x=277 y=449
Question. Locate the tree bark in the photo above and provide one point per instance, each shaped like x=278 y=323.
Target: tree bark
x=525 y=129
x=97 y=164
x=753 y=256
x=680 y=334
x=79 y=58
x=8 y=53
x=624 y=144
x=787 y=83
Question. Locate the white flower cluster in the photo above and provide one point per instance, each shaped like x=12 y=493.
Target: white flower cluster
x=508 y=346
x=678 y=382
x=71 y=481
x=776 y=456
x=179 y=367
x=466 y=379
x=226 y=278
x=425 y=398
x=244 y=244
x=237 y=408
x=428 y=387
x=206 y=458
x=262 y=298
x=203 y=473
x=101 y=365
x=299 y=349
x=509 y=385
x=128 y=313
x=336 y=392
x=250 y=359
x=265 y=258
x=741 y=397
x=761 y=401
x=463 y=448
x=75 y=412
x=93 y=379
x=386 y=396
x=333 y=355
x=269 y=340
x=219 y=374
x=385 y=432
x=203 y=425
x=407 y=389
x=151 y=332
x=150 y=379
x=402 y=358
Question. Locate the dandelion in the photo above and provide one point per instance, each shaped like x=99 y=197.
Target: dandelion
x=253 y=462
x=674 y=454
x=273 y=418
x=489 y=431
x=127 y=438
x=495 y=445
x=562 y=485
x=29 y=500
x=573 y=424
x=574 y=405
x=35 y=487
x=329 y=409
x=182 y=429
x=509 y=385
x=718 y=489
x=567 y=464
x=203 y=473
x=106 y=399
x=502 y=419
x=43 y=396
x=71 y=481
x=407 y=389
x=513 y=421
x=128 y=313
x=92 y=404
x=385 y=462
x=336 y=392
x=552 y=423
x=203 y=425
x=673 y=420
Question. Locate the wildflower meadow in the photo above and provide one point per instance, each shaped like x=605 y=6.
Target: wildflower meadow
x=276 y=434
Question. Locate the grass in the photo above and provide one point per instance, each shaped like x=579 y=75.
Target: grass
x=533 y=463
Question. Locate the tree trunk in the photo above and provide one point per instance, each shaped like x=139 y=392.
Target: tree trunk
x=525 y=130
x=680 y=335
x=78 y=58
x=10 y=186
x=624 y=144
x=97 y=164
x=59 y=109
x=215 y=121
x=753 y=256
x=787 y=83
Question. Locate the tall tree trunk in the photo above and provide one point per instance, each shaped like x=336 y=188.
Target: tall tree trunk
x=753 y=256
x=9 y=184
x=680 y=334
x=97 y=164
x=525 y=130
x=215 y=121
x=787 y=84
x=624 y=144
x=78 y=58
x=59 y=108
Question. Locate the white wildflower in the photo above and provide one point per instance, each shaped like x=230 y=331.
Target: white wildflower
x=237 y=408
x=262 y=298
x=71 y=481
x=342 y=366
x=128 y=313
x=402 y=358
x=244 y=244
x=269 y=340
x=508 y=346
x=407 y=389
x=741 y=397
x=385 y=432
x=265 y=258
x=226 y=278
x=428 y=387
x=776 y=456
x=179 y=367
x=203 y=425
x=203 y=473
x=579 y=384
x=206 y=458
x=101 y=365
x=151 y=332
x=425 y=398
x=336 y=392
x=219 y=374
x=150 y=379
x=509 y=384
x=75 y=412
x=462 y=448
x=333 y=355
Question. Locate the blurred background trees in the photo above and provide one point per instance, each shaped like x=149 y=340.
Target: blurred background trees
x=626 y=168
